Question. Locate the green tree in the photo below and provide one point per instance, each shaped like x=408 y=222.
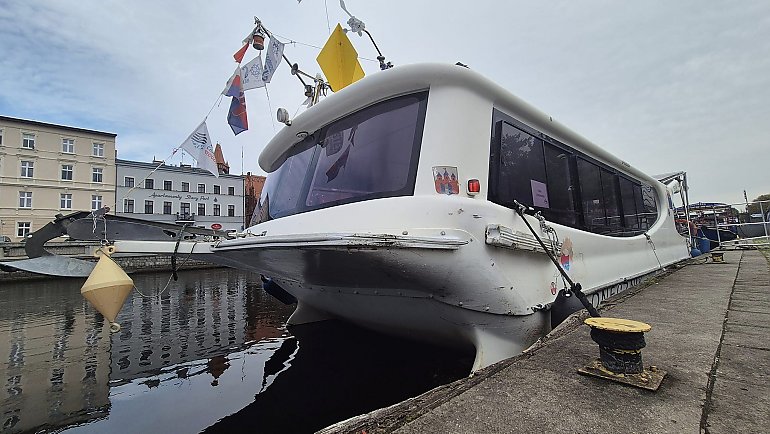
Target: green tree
x=753 y=208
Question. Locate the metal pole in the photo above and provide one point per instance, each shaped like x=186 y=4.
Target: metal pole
x=575 y=287
x=716 y=224
x=764 y=222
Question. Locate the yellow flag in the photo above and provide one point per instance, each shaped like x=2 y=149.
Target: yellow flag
x=339 y=60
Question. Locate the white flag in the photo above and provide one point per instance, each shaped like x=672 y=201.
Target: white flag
x=272 y=60
x=198 y=145
x=251 y=74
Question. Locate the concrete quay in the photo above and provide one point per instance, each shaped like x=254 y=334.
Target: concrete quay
x=710 y=325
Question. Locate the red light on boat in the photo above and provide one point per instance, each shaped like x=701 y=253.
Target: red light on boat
x=474 y=187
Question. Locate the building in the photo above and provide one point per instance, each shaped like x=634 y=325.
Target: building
x=179 y=194
x=48 y=169
x=253 y=185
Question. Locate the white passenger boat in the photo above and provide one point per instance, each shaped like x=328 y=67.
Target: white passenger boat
x=390 y=204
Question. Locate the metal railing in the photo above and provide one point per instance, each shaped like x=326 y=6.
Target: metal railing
x=749 y=227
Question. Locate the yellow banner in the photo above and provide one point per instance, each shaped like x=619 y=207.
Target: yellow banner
x=339 y=60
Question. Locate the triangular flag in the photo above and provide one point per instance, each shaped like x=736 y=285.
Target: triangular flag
x=238 y=56
x=198 y=145
x=339 y=60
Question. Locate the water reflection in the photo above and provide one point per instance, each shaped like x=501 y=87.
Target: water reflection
x=210 y=352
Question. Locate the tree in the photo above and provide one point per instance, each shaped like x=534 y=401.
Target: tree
x=754 y=208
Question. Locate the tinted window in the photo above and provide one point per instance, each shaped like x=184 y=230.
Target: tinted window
x=650 y=207
x=560 y=187
x=522 y=168
x=630 y=214
x=611 y=208
x=370 y=154
x=284 y=186
x=591 y=195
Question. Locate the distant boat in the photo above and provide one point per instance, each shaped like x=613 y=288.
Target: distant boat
x=753 y=230
x=715 y=239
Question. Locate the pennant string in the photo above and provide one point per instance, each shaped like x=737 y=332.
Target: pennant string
x=292 y=41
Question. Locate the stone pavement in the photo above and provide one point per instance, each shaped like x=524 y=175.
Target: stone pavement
x=709 y=332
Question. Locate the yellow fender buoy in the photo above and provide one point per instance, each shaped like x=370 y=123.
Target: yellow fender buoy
x=107 y=287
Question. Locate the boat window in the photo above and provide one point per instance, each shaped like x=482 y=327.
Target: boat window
x=370 y=154
x=283 y=187
x=565 y=185
x=650 y=207
x=630 y=214
x=611 y=208
x=521 y=175
x=591 y=195
x=561 y=188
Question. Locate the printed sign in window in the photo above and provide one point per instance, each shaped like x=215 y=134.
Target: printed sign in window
x=539 y=194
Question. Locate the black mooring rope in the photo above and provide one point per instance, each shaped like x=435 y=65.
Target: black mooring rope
x=574 y=287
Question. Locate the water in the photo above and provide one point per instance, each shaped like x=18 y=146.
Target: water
x=211 y=353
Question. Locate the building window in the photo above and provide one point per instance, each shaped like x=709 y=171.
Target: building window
x=185 y=186
x=166 y=207
x=68 y=146
x=97 y=174
x=148 y=206
x=128 y=206
x=23 y=228
x=1 y=137
x=28 y=141
x=96 y=202
x=216 y=189
x=231 y=191
x=201 y=188
x=231 y=210
x=25 y=199
x=128 y=181
x=216 y=209
x=149 y=183
x=65 y=201
x=201 y=209
x=167 y=185
x=98 y=150
x=66 y=172
x=184 y=208
x=27 y=169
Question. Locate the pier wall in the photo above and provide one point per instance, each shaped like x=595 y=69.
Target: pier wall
x=84 y=250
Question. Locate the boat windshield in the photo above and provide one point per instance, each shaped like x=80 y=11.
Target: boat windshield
x=370 y=154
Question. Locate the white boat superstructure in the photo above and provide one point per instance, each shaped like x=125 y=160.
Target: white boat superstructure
x=390 y=204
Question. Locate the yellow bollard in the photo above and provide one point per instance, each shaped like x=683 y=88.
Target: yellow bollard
x=107 y=287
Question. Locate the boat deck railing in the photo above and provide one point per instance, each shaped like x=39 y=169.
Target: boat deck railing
x=750 y=227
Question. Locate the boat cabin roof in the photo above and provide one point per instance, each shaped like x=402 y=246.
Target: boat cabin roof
x=407 y=79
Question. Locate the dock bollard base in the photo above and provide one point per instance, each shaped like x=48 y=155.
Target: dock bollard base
x=649 y=379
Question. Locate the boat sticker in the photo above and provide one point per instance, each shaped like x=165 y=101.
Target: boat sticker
x=566 y=254
x=446 y=180
x=539 y=194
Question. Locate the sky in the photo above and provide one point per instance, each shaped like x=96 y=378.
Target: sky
x=664 y=85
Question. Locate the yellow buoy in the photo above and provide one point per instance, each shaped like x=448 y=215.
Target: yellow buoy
x=107 y=287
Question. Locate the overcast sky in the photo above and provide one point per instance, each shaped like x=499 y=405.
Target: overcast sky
x=665 y=85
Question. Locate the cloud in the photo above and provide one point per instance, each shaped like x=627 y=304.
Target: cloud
x=663 y=85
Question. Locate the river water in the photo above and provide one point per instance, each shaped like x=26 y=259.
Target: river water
x=211 y=353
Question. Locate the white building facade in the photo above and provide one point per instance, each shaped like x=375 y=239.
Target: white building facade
x=179 y=194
